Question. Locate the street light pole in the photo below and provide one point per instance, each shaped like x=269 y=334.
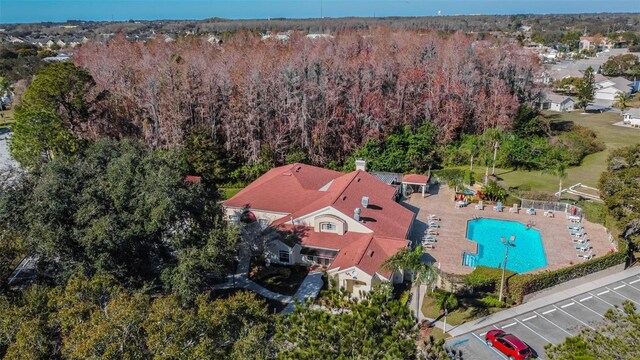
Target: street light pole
x=507 y=244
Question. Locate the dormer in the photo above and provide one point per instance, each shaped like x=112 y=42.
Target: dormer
x=329 y=223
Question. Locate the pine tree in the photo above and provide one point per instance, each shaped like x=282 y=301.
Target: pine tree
x=586 y=88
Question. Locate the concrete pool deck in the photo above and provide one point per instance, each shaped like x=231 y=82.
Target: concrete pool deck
x=451 y=241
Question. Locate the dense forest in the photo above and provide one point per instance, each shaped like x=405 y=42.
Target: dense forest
x=321 y=97
x=555 y=24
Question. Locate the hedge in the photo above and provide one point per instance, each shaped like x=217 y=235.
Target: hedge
x=517 y=285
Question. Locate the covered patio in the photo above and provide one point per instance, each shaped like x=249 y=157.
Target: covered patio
x=415 y=181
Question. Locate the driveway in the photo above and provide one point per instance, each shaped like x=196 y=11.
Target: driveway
x=551 y=319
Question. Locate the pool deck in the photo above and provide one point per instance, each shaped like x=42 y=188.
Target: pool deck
x=451 y=241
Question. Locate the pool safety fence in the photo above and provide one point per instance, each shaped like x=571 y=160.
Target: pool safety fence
x=551 y=206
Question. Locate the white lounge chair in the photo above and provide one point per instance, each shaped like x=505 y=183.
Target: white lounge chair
x=432 y=231
x=587 y=256
x=434 y=224
x=514 y=209
x=575 y=227
x=428 y=246
x=479 y=205
x=498 y=207
x=548 y=213
x=583 y=247
x=433 y=217
x=583 y=240
x=577 y=233
x=429 y=239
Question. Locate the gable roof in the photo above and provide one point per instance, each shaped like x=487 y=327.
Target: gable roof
x=284 y=189
x=368 y=254
x=383 y=215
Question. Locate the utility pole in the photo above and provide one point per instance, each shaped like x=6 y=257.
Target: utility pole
x=507 y=244
x=495 y=154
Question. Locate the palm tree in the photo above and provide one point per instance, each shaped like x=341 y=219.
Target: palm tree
x=411 y=260
x=621 y=100
x=558 y=169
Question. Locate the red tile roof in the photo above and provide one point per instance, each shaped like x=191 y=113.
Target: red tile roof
x=415 y=179
x=300 y=189
x=368 y=254
x=383 y=215
x=323 y=240
x=284 y=189
x=191 y=179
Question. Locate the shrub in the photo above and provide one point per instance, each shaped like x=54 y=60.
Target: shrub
x=595 y=212
x=492 y=301
x=520 y=285
x=486 y=277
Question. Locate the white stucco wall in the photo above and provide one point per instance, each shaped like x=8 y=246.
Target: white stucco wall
x=272 y=253
x=351 y=224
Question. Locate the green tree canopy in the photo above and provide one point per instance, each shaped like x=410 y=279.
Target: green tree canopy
x=120 y=208
x=377 y=327
x=50 y=118
x=586 y=88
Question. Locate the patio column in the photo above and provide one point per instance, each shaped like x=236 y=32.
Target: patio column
x=423 y=189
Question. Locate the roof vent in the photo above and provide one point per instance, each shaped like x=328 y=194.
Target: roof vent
x=370 y=253
x=298 y=168
x=356 y=214
x=344 y=198
x=286 y=174
x=365 y=201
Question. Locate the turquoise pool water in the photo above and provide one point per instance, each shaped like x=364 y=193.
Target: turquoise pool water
x=528 y=253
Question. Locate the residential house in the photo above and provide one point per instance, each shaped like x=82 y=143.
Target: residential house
x=632 y=117
x=557 y=102
x=594 y=43
x=347 y=223
x=607 y=90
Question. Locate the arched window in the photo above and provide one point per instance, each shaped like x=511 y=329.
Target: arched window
x=328 y=227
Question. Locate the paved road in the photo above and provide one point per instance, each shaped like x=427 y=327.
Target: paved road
x=553 y=322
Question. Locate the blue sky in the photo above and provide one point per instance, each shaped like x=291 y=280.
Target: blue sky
x=12 y=11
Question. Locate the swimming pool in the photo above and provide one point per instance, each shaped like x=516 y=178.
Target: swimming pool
x=528 y=253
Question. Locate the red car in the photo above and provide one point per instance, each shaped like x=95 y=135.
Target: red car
x=509 y=345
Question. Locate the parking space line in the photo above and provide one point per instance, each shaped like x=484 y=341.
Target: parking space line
x=587 y=298
x=631 y=286
x=619 y=287
x=634 y=281
x=590 y=309
x=484 y=333
x=509 y=325
x=554 y=324
x=535 y=332
x=604 y=301
x=576 y=318
x=626 y=297
x=566 y=305
x=490 y=347
x=602 y=293
x=548 y=311
x=529 y=318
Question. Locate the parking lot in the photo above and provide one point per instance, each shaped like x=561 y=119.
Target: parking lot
x=552 y=323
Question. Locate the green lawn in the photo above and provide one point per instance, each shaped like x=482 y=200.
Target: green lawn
x=6 y=117
x=469 y=309
x=229 y=192
x=592 y=166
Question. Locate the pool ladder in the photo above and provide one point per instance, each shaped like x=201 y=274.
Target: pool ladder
x=469 y=259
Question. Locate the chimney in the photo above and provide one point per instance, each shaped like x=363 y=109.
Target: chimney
x=356 y=214
x=365 y=201
x=361 y=164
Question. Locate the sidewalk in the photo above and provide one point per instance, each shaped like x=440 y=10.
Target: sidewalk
x=541 y=302
x=310 y=288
